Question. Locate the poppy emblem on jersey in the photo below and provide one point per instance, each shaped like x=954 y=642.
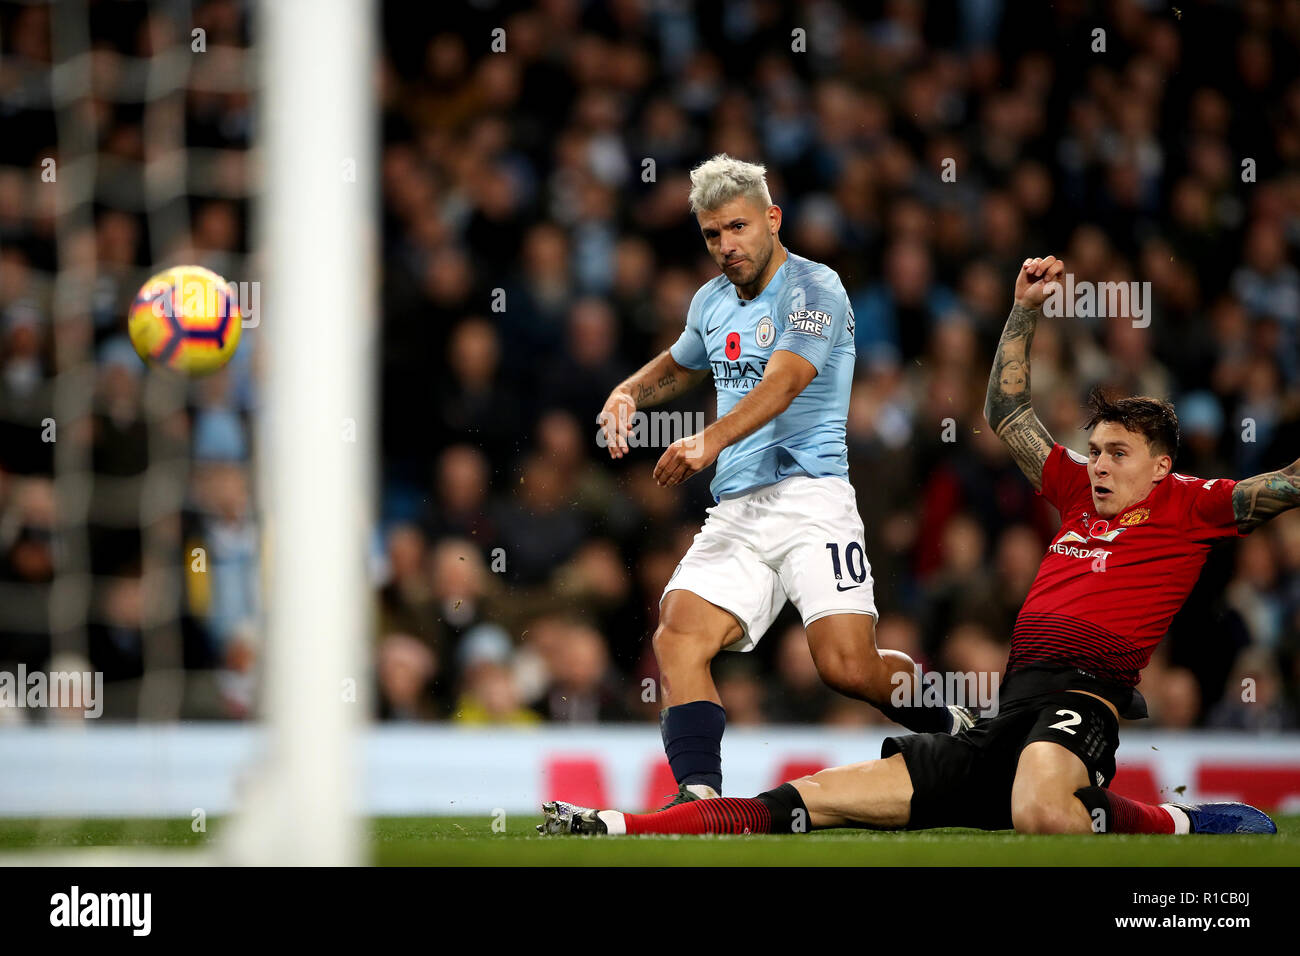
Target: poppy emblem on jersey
x=765 y=332
x=733 y=345
x=1135 y=517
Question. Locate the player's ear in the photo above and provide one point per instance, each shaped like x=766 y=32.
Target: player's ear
x=774 y=218
x=1164 y=464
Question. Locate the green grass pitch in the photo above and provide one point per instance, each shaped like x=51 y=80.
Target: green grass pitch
x=471 y=841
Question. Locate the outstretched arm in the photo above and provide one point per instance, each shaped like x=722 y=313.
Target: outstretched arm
x=1007 y=405
x=659 y=380
x=1256 y=500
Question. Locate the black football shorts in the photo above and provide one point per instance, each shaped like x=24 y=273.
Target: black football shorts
x=965 y=780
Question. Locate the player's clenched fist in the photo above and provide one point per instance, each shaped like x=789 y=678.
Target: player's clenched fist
x=1037 y=280
x=615 y=421
x=684 y=458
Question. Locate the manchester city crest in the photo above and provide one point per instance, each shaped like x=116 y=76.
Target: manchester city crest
x=765 y=332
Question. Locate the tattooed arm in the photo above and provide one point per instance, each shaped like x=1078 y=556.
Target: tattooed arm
x=1007 y=405
x=1256 y=500
x=659 y=380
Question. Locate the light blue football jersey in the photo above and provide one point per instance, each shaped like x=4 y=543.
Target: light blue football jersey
x=804 y=309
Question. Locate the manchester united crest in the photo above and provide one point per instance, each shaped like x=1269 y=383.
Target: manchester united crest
x=1136 y=516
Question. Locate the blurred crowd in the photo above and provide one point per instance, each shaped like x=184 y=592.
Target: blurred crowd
x=537 y=248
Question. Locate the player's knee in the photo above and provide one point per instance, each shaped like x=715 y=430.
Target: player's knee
x=675 y=646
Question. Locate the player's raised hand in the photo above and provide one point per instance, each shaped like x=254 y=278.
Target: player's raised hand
x=1037 y=279
x=685 y=457
x=615 y=421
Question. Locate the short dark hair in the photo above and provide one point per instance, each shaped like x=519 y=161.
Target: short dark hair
x=1150 y=417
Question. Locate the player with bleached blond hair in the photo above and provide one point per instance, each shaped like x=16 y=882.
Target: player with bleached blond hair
x=775 y=332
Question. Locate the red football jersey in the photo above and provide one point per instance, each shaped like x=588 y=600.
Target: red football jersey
x=1107 y=589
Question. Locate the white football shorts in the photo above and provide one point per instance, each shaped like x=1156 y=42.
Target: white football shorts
x=800 y=538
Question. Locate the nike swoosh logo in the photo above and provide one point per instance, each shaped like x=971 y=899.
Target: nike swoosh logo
x=840 y=587
x=712 y=330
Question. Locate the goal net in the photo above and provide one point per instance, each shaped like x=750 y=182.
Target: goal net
x=186 y=558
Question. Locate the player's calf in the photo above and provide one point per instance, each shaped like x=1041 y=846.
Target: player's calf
x=874 y=793
x=844 y=651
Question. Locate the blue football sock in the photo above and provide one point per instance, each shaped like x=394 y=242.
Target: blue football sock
x=693 y=742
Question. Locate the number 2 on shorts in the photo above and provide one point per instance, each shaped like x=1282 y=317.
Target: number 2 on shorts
x=1072 y=720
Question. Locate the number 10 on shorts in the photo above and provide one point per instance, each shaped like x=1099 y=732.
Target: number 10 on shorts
x=855 y=556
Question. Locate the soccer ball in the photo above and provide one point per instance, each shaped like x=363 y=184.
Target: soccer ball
x=185 y=319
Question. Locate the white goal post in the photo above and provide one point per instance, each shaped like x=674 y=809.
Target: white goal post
x=316 y=248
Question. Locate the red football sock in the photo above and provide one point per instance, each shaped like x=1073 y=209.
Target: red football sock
x=1130 y=816
x=719 y=815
